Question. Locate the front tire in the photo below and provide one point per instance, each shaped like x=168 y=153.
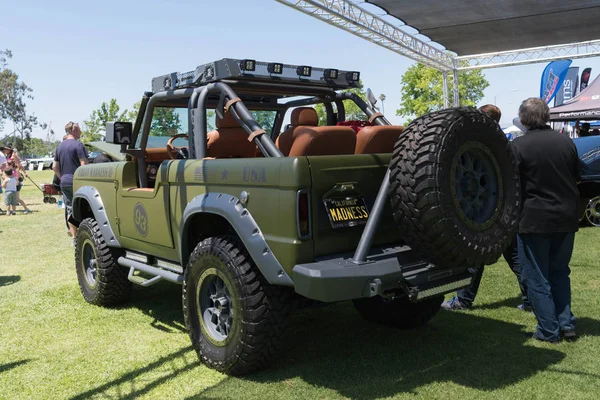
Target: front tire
x=400 y=312
x=101 y=280
x=235 y=319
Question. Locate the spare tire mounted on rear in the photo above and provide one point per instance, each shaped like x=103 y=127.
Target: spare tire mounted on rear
x=454 y=188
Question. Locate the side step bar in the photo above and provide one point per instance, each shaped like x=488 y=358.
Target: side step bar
x=158 y=273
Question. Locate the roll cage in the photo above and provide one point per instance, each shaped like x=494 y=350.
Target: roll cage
x=237 y=92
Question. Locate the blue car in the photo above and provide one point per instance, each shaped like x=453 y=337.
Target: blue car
x=588 y=149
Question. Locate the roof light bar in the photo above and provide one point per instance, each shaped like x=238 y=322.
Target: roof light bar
x=244 y=69
x=304 y=70
x=275 y=68
x=330 y=73
x=353 y=76
x=248 y=65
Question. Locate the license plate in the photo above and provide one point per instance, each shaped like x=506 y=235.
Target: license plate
x=345 y=212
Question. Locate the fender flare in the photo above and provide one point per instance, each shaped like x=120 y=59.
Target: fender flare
x=93 y=198
x=231 y=208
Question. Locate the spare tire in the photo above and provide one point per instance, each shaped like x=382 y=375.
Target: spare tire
x=454 y=188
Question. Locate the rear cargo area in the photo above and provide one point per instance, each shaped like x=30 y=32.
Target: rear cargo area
x=343 y=191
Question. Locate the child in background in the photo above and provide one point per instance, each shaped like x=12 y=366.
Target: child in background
x=17 y=175
x=9 y=184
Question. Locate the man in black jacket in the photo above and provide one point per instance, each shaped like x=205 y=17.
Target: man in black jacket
x=549 y=169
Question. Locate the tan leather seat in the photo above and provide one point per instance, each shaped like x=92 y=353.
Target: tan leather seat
x=229 y=140
x=305 y=138
x=301 y=116
x=377 y=139
x=323 y=141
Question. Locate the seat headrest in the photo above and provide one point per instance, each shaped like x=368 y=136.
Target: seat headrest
x=228 y=121
x=306 y=116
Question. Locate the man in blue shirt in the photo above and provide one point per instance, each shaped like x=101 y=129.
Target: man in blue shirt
x=70 y=155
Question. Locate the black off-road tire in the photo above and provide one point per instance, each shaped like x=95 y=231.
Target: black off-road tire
x=428 y=188
x=101 y=280
x=256 y=308
x=400 y=312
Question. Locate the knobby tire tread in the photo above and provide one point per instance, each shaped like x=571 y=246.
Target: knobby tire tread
x=419 y=211
x=113 y=286
x=263 y=320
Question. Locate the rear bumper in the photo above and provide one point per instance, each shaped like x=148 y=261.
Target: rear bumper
x=337 y=278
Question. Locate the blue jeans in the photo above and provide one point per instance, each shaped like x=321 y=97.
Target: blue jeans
x=466 y=296
x=545 y=271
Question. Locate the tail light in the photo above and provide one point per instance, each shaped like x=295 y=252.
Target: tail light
x=303 y=214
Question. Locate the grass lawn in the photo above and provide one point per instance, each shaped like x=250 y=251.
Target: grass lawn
x=53 y=345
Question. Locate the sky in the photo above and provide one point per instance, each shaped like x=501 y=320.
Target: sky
x=77 y=54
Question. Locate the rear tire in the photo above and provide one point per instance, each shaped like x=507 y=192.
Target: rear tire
x=454 y=188
x=101 y=280
x=235 y=319
x=400 y=312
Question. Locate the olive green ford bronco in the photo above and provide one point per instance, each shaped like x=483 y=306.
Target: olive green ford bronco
x=250 y=216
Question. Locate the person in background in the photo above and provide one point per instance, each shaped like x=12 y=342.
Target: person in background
x=70 y=155
x=2 y=168
x=550 y=171
x=595 y=132
x=14 y=161
x=583 y=130
x=18 y=176
x=9 y=184
x=465 y=297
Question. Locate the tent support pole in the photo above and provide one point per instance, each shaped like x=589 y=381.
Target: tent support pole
x=445 y=87
x=455 y=88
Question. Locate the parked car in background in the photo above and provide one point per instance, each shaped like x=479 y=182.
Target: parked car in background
x=33 y=163
x=588 y=149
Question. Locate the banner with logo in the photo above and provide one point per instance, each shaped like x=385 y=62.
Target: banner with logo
x=553 y=76
x=585 y=78
x=566 y=91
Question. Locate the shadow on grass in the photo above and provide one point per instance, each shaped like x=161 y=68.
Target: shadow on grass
x=134 y=383
x=9 y=280
x=162 y=302
x=9 y=366
x=360 y=360
x=511 y=302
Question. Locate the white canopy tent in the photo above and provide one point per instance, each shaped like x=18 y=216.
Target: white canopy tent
x=455 y=35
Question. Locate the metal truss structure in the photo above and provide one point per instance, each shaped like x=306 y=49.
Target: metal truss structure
x=349 y=16
x=530 y=56
x=360 y=22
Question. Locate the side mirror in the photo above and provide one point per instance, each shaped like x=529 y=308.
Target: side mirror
x=371 y=98
x=119 y=132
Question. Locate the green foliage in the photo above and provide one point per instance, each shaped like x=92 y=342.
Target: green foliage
x=36 y=147
x=165 y=122
x=353 y=112
x=265 y=119
x=132 y=115
x=13 y=97
x=422 y=89
x=95 y=125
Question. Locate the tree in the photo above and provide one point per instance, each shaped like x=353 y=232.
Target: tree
x=165 y=122
x=13 y=97
x=422 y=89
x=96 y=124
x=352 y=111
x=266 y=119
